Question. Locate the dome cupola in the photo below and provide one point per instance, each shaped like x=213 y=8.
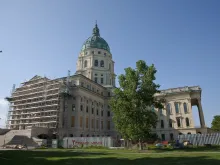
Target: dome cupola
x=95 y=41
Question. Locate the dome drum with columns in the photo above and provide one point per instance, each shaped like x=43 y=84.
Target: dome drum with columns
x=95 y=60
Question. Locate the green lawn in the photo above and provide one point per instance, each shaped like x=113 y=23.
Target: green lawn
x=107 y=157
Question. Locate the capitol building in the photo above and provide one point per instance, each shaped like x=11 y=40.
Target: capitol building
x=77 y=105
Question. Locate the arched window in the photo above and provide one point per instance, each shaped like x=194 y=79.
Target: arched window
x=177 y=108
x=101 y=63
x=85 y=63
x=96 y=63
x=189 y=133
x=169 y=109
x=187 y=122
x=185 y=108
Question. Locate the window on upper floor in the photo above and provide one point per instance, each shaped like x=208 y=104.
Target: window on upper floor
x=169 y=112
x=87 y=109
x=99 y=52
x=101 y=63
x=187 y=122
x=85 y=63
x=170 y=123
x=108 y=114
x=97 y=112
x=178 y=122
x=81 y=107
x=92 y=52
x=96 y=79
x=73 y=107
x=185 y=108
x=161 y=124
x=109 y=66
x=96 y=63
x=177 y=107
x=102 y=80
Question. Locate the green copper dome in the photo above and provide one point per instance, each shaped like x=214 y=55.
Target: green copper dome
x=95 y=41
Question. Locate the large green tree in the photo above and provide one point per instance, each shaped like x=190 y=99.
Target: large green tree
x=132 y=104
x=216 y=123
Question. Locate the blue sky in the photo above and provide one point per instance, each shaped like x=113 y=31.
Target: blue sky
x=182 y=39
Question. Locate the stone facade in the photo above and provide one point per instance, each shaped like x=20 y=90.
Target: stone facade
x=77 y=105
x=176 y=117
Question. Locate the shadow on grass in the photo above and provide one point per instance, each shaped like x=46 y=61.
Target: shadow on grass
x=81 y=158
x=192 y=149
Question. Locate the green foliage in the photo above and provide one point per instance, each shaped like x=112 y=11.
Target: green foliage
x=133 y=115
x=216 y=123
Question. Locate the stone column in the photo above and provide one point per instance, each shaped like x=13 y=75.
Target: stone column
x=201 y=115
x=189 y=107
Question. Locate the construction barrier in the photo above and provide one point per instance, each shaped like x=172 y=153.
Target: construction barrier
x=72 y=142
x=201 y=139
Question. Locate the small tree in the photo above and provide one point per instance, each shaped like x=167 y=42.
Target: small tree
x=216 y=123
x=133 y=101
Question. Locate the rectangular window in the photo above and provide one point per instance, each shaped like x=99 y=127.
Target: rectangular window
x=178 y=122
x=170 y=123
x=102 y=113
x=81 y=107
x=162 y=124
x=108 y=125
x=168 y=109
x=87 y=122
x=92 y=123
x=163 y=137
x=97 y=124
x=101 y=124
x=108 y=114
x=92 y=110
x=73 y=121
x=171 y=136
x=102 y=80
x=97 y=112
x=73 y=107
x=96 y=80
x=81 y=121
x=177 y=107
x=87 y=109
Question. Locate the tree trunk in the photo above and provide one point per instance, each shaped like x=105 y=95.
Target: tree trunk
x=140 y=145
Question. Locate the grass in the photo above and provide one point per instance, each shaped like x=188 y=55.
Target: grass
x=107 y=157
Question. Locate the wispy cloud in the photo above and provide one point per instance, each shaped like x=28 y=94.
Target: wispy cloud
x=3 y=111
